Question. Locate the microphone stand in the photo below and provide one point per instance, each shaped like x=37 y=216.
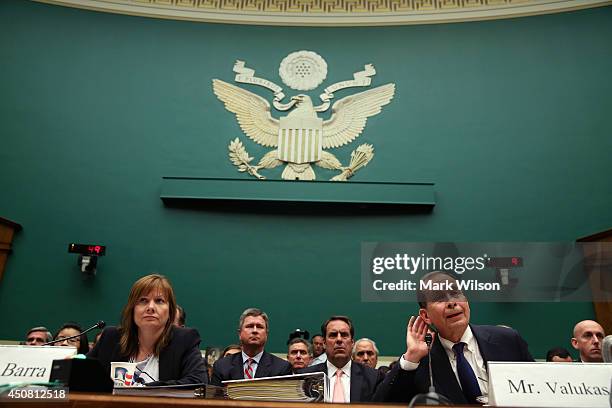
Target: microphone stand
x=99 y=325
x=432 y=397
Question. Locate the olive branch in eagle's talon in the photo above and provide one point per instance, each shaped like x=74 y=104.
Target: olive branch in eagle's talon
x=241 y=159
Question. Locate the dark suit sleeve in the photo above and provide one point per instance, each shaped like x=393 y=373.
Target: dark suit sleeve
x=95 y=351
x=524 y=348
x=370 y=382
x=287 y=369
x=106 y=349
x=103 y=343
x=397 y=386
x=380 y=377
x=192 y=367
x=217 y=372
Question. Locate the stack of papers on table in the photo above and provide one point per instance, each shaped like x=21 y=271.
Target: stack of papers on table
x=290 y=388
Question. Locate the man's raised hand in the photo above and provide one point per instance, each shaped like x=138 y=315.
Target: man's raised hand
x=416 y=348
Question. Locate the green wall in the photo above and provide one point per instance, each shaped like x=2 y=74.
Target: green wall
x=510 y=119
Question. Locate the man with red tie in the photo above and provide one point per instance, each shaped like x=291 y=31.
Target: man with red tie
x=252 y=361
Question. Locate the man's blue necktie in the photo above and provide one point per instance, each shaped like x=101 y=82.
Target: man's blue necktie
x=467 y=378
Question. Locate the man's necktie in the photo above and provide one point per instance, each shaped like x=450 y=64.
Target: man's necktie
x=338 y=388
x=467 y=378
x=248 y=370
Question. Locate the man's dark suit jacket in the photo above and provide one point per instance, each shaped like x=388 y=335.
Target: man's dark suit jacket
x=180 y=362
x=364 y=380
x=495 y=344
x=231 y=368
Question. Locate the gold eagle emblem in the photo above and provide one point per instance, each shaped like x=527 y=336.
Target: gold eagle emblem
x=301 y=138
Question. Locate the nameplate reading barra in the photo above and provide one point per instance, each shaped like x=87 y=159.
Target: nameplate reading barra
x=29 y=364
x=549 y=384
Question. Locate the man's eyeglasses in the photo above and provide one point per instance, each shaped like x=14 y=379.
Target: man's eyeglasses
x=35 y=340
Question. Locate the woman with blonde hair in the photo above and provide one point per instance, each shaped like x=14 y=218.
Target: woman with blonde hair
x=165 y=354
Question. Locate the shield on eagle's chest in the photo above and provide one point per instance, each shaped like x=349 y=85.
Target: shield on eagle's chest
x=300 y=139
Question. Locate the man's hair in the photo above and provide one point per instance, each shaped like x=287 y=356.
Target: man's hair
x=345 y=319
x=425 y=295
x=368 y=340
x=128 y=341
x=41 y=329
x=182 y=315
x=557 y=351
x=300 y=340
x=253 y=311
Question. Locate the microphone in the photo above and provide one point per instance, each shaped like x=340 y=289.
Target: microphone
x=432 y=397
x=428 y=341
x=141 y=380
x=99 y=325
x=606 y=349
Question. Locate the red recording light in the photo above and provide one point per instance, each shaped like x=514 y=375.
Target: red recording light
x=87 y=249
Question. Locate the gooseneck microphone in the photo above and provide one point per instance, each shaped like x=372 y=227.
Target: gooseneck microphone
x=99 y=325
x=428 y=341
x=432 y=397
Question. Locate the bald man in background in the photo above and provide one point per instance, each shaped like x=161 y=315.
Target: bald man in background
x=588 y=336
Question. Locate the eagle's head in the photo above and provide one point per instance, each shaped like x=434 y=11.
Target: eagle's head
x=302 y=99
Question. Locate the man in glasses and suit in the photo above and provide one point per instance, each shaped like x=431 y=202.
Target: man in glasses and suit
x=459 y=353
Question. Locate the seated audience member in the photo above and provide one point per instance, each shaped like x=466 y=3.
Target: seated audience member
x=318 y=350
x=588 y=336
x=459 y=353
x=165 y=354
x=558 y=355
x=252 y=361
x=181 y=317
x=37 y=336
x=72 y=329
x=365 y=352
x=299 y=353
x=349 y=381
x=231 y=349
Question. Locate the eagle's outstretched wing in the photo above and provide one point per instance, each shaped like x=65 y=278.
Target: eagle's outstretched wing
x=252 y=112
x=349 y=115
